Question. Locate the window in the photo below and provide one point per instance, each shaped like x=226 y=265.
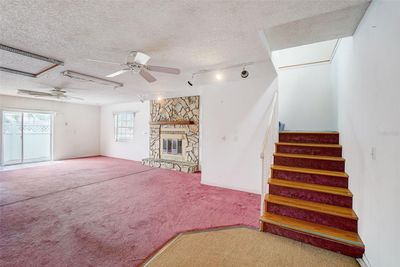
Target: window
x=123 y=126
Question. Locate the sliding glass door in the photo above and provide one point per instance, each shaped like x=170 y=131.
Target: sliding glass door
x=27 y=137
x=12 y=137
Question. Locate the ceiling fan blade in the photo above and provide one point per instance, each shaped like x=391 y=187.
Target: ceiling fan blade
x=116 y=73
x=103 y=61
x=58 y=91
x=163 y=69
x=141 y=58
x=147 y=76
x=33 y=93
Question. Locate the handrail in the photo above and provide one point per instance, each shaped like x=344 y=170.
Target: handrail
x=264 y=146
x=272 y=107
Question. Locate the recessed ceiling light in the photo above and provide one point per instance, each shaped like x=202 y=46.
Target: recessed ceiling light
x=218 y=77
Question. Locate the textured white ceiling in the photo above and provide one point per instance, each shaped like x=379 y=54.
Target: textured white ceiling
x=190 y=35
x=321 y=27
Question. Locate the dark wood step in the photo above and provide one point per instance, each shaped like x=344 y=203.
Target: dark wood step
x=328 y=215
x=332 y=150
x=337 y=196
x=312 y=176
x=309 y=137
x=345 y=242
x=308 y=161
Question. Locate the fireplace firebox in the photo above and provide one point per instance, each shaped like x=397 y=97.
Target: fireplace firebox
x=172 y=146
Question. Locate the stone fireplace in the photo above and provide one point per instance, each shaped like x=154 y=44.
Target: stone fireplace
x=174 y=134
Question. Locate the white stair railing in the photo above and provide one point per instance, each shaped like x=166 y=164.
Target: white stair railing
x=268 y=146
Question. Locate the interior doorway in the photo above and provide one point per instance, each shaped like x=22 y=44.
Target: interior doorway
x=26 y=137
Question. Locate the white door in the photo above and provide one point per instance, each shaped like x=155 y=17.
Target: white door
x=27 y=137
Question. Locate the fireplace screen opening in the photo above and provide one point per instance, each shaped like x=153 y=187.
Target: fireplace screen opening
x=172 y=146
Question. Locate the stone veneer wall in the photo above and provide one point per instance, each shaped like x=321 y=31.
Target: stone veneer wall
x=175 y=109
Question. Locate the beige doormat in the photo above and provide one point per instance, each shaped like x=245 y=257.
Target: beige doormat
x=242 y=246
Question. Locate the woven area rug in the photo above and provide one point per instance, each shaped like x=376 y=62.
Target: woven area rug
x=241 y=246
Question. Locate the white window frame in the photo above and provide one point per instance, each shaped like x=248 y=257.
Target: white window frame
x=125 y=125
x=10 y=109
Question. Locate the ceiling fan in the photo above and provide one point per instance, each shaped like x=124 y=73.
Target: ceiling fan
x=136 y=62
x=55 y=92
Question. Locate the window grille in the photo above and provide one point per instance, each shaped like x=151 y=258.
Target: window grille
x=123 y=126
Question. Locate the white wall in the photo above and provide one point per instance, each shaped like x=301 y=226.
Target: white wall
x=233 y=122
x=138 y=148
x=307 y=100
x=233 y=125
x=76 y=127
x=367 y=74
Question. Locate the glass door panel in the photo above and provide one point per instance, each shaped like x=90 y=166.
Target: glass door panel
x=36 y=137
x=12 y=137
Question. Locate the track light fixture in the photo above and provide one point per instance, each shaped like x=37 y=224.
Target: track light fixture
x=141 y=98
x=244 y=73
x=190 y=82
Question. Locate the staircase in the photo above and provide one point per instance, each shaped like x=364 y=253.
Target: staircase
x=308 y=198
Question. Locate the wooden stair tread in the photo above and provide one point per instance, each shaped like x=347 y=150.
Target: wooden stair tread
x=326 y=232
x=313 y=187
x=310 y=171
x=309 y=145
x=300 y=132
x=312 y=206
x=303 y=156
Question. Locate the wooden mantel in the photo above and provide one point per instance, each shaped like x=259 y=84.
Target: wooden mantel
x=179 y=122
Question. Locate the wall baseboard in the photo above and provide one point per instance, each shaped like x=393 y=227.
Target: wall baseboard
x=204 y=182
x=364 y=262
x=78 y=157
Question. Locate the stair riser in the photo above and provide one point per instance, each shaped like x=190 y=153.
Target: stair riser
x=307 y=150
x=329 y=165
x=310 y=195
x=349 y=250
x=309 y=138
x=314 y=217
x=311 y=178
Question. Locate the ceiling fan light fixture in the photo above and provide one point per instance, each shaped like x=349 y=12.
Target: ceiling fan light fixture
x=141 y=58
x=137 y=62
x=55 y=92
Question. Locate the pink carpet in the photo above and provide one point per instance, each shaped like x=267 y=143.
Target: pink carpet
x=107 y=212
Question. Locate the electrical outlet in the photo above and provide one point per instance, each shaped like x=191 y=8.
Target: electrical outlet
x=373 y=153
